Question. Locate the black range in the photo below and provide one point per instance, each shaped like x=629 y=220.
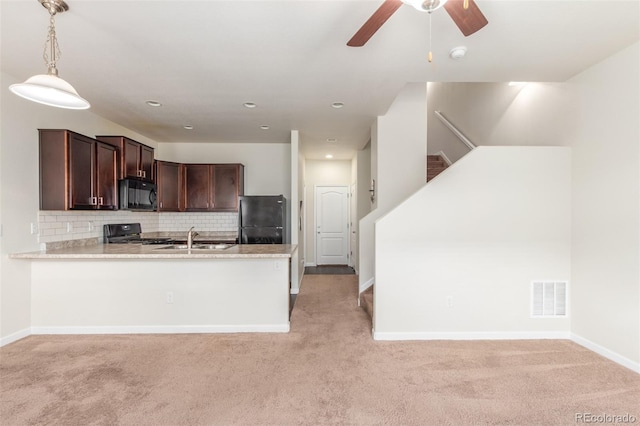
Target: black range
x=129 y=233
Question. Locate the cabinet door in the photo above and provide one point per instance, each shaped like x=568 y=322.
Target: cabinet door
x=131 y=159
x=106 y=176
x=81 y=167
x=226 y=187
x=198 y=187
x=146 y=162
x=168 y=181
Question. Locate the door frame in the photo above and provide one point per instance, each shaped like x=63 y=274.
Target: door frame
x=315 y=220
x=353 y=225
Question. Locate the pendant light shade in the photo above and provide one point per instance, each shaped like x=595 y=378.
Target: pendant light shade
x=49 y=89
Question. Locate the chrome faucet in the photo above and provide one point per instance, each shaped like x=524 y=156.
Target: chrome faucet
x=190 y=236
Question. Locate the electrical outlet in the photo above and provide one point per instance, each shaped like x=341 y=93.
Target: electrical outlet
x=34 y=228
x=449 y=301
x=277 y=265
x=169 y=297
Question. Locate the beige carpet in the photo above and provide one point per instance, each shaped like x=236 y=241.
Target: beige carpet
x=328 y=370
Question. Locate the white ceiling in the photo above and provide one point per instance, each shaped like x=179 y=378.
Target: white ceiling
x=203 y=59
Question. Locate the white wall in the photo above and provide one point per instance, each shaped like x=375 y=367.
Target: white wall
x=294 y=212
x=267 y=165
x=362 y=178
x=222 y=295
x=496 y=114
x=318 y=173
x=20 y=121
x=302 y=225
x=398 y=164
x=476 y=237
x=605 y=139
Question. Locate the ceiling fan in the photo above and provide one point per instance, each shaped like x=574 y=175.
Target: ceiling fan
x=465 y=13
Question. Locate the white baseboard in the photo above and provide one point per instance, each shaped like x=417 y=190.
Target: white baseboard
x=169 y=329
x=294 y=290
x=607 y=353
x=310 y=264
x=444 y=157
x=479 y=335
x=367 y=284
x=14 y=337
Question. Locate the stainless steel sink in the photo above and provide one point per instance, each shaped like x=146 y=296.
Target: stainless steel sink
x=197 y=247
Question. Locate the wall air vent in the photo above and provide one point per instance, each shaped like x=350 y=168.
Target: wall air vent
x=549 y=299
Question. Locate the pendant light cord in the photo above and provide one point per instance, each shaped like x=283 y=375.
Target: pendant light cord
x=430 y=57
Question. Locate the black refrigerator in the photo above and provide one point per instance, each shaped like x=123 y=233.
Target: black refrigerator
x=262 y=219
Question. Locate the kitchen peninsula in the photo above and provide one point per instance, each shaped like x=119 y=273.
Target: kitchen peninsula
x=109 y=288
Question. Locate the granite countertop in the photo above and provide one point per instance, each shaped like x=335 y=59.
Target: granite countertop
x=204 y=235
x=139 y=251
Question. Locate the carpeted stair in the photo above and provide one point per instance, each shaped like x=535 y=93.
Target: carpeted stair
x=435 y=166
x=366 y=301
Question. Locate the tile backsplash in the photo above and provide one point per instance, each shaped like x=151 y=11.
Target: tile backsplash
x=79 y=224
x=207 y=222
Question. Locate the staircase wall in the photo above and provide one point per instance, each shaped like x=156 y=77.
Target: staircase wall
x=457 y=258
x=398 y=152
x=496 y=114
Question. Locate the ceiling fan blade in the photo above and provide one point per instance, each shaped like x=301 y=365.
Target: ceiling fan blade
x=374 y=23
x=468 y=20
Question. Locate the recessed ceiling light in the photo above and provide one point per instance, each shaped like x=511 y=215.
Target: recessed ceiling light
x=264 y=127
x=154 y=103
x=249 y=105
x=188 y=127
x=329 y=156
x=458 y=53
x=332 y=140
x=337 y=105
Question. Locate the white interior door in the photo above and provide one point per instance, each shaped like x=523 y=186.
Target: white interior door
x=332 y=225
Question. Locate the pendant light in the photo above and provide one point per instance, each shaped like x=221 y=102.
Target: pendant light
x=49 y=89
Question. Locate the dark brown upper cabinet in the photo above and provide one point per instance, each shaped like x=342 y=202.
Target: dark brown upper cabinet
x=135 y=159
x=169 y=186
x=76 y=172
x=213 y=187
x=228 y=185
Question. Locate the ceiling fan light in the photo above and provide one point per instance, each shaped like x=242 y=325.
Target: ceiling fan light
x=425 y=5
x=50 y=90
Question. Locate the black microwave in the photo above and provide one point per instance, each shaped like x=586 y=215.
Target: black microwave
x=137 y=195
